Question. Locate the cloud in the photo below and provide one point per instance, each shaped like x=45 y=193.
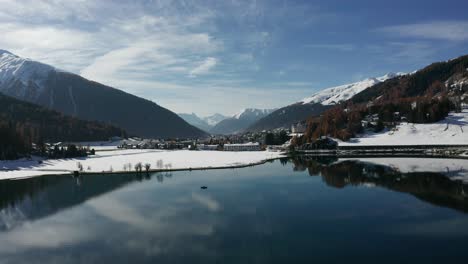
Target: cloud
x=441 y=30
x=416 y=52
x=204 y=67
x=340 y=47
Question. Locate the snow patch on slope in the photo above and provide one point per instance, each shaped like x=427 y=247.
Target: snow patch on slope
x=334 y=95
x=452 y=130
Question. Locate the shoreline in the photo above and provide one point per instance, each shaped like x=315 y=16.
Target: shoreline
x=67 y=167
x=179 y=169
x=238 y=166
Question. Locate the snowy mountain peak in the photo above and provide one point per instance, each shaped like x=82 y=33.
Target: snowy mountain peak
x=337 y=94
x=4 y=51
x=252 y=112
x=22 y=77
x=390 y=75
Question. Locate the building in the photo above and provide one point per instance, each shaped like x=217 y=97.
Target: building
x=299 y=128
x=243 y=147
x=207 y=147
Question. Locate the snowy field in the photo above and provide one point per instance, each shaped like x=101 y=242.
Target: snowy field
x=451 y=131
x=122 y=160
x=455 y=169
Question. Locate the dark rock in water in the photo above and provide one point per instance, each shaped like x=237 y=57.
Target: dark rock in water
x=204 y=187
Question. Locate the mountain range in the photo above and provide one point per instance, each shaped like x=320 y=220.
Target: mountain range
x=203 y=123
x=222 y=125
x=76 y=96
x=241 y=121
x=315 y=104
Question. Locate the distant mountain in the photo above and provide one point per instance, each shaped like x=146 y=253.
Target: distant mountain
x=205 y=123
x=240 y=121
x=315 y=104
x=76 y=96
x=195 y=121
x=214 y=119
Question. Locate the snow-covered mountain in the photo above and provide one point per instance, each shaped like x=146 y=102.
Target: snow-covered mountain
x=74 y=95
x=240 y=121
x=316 y=104
x=334 y=95
x=22 y=78
x=214 y=119
x=203 y=123
x=195 y=121
x=252 y=113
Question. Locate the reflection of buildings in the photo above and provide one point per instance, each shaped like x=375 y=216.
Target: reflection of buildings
x=435 y=188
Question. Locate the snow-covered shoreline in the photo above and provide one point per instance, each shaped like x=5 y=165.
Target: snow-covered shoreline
x=124 y=160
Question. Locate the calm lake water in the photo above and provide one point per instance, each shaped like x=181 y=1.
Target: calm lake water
x=301 y=211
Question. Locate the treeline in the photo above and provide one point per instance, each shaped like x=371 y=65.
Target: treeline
x=22 y=124
x=12 y=146
x=276 y=138
x=421 y=97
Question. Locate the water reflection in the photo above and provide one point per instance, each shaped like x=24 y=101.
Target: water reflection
x=432 y=187
x=274 y=213
x=38 y=197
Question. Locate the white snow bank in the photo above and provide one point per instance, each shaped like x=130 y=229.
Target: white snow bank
x=455 y=169
x=452 y=130
x=107 y=161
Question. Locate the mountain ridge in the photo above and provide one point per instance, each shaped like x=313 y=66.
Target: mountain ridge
x=316 y=104
x=240 y=121
x=74 y=95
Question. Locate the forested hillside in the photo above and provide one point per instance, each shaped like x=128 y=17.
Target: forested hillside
x=425 y=96
x=23 y=123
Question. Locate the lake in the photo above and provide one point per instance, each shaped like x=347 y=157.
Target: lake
x=307 y=210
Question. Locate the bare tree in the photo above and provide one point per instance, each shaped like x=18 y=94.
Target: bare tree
x=138 y=167
x=147 y=167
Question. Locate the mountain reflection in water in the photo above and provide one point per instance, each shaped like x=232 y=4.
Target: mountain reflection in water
x=271 y=213
x=432 y=187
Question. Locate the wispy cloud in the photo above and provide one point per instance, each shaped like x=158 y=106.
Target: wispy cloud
x=204 y=67
x=340 y=47
x=203 y=51
x=416 y=52
x=442 y=30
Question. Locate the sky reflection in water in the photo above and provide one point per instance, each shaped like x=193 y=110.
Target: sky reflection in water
x=290 y=211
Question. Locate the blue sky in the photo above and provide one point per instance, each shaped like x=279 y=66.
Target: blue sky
x=221 y=56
